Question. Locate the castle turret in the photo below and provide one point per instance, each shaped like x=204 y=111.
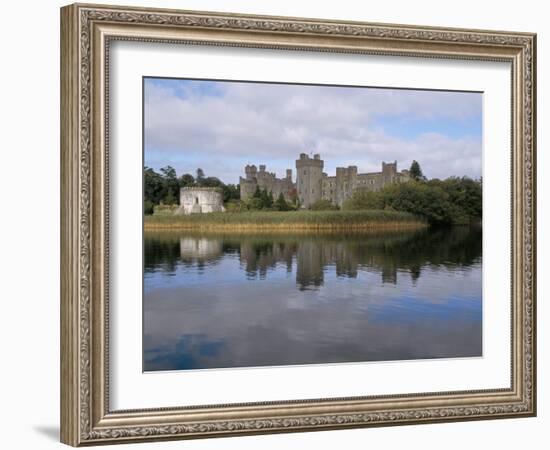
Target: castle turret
x=250 y=172
x=313 y=185
x=389 y=172
x=309 y=173
x=346 y=181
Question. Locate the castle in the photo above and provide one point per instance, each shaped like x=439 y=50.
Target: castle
x=268 y=181
x=312 y=184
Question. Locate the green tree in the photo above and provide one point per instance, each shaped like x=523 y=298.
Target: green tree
x=200 y=176
x=186 y=180
x=231 y=192
x=148 y=207
x=257 y=192
x=465 y=193
x=363 y=199
x=169 y=173
x=153 y=186
x=171 y=185
x=211 y=182
x=281 y=204
x=170 y=199
x=267 y=199
x=236 y=206
x=451 y=201
x=413 y=197
x=254 y=204
x=416 y=171
x=323 y=205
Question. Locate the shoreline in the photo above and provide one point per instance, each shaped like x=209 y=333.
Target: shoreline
x=302 y=221
x=297 y=228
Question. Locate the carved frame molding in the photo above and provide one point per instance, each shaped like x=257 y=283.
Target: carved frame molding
x=86 y=32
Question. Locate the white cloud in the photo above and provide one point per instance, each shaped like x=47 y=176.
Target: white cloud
x=272 y=124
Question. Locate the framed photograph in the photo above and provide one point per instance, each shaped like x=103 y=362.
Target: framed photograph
x=276 y=224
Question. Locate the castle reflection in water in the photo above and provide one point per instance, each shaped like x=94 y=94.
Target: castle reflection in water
x=310 y=256
x=251 y=300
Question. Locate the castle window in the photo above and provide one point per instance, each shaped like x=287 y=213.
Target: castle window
x=313 y=191
x=196 y=200
x=304 y=171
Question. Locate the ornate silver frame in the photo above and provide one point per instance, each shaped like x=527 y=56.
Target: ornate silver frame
x=86 y=32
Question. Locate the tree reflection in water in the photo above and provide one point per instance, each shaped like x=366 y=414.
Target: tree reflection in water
x=387 y=253
x=241 y=300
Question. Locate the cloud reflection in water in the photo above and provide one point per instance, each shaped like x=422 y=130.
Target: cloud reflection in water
x=215 y=301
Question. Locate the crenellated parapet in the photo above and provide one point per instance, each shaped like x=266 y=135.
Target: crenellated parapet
x=309 y=176
x=312 y=184
x=200 y=189
x=265 y=180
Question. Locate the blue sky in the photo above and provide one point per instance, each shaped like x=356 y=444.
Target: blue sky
x=221 y=126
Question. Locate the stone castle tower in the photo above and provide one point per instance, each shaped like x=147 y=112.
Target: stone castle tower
x=195 y=200
x=266 y=180
x=309 y=176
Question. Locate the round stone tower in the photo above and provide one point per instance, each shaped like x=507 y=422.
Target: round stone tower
x=195 y=200
x=309 y=176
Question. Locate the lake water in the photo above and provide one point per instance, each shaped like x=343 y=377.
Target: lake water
x=242 y=300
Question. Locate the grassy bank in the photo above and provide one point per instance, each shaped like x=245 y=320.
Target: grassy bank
x=292 y=221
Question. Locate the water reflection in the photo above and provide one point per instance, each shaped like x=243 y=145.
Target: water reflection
x=234 y=300
x=313 y=254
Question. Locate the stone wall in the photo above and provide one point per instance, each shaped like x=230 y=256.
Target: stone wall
x=266 y=180
x=341 y=187
x=195 y=200
x=313 y=185
x=369 y=181
x=329 y=190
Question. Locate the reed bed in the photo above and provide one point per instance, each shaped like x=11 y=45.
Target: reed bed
x=296 y=221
